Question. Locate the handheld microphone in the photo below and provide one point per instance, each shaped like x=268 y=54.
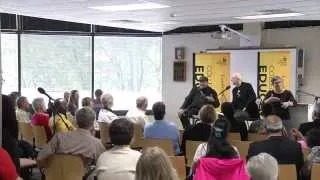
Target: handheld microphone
x=42 y=91
x=226 y=89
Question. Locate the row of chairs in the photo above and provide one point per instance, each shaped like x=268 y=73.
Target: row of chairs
x=35 y=135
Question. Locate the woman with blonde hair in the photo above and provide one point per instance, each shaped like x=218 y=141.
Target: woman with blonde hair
x=154 y=164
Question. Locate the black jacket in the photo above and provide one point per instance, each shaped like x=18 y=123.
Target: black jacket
x=199 y=132
x=242 y=95
x=285 y=150
x=196 y=99
x=304 y=128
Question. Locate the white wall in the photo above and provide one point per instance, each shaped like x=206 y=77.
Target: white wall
x=175 y=92
x=307 y=38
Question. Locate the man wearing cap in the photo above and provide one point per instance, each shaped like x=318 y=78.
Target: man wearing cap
x=285 y=150
x=197 y=97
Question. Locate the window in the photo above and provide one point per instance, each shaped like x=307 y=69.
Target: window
x=56 y=63
x=128 y=67
x=9 y=62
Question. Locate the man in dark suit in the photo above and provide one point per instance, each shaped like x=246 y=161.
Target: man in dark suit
x=285 y=150
x=197 y=97
x=242 y=93
x=304 y=128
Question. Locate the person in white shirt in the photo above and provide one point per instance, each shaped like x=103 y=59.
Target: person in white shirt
x=106 y=114
x=22 y=111
x=138 y=114
x=119 y=163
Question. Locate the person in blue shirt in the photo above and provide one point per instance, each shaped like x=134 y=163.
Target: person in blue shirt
x=162 y=129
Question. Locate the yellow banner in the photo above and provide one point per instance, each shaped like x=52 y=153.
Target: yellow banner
x=215 y=66
x=270 y=64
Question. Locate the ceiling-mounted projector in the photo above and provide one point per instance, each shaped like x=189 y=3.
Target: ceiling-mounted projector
x=226 y=33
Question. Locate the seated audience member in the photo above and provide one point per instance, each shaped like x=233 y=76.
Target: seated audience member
x=220 y=127
x=263 y=167
x=40 y=118
x=221 y=160
x=106 y=114
x=7 y=168
x=201 y=131
x=22 y=112
x=285 y=150
x=60 y=122
x=138 y=115
x=120 y=162
x=236 y=126
x=160 y=128
x=258 y=126
x=66 y=96
x=154 y=164
x=73 y=103
x=79 y=142
x=97 y=101
x=87 y=102
x=305 y=127
x=313 y=141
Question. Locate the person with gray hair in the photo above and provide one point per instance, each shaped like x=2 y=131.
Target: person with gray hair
x=304 y=128
x=79 y=142
x=106 y=114
x=138 y=114
x=285 y=150
x=22 y=112
x=256 y=167
x=40 y=117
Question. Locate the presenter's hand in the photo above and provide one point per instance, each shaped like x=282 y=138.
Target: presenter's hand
x=272 y=100
x=285 y=105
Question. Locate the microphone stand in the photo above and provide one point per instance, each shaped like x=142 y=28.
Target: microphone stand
x=316 y=98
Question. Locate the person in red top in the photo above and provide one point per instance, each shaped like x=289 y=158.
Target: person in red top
x=7 y=168
x=40 y=117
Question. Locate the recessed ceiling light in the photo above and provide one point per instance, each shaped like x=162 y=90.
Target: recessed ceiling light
x=269 y=16
x=131 y=7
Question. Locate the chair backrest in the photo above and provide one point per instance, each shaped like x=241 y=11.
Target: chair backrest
x=165 y=144
x=191 y=147
x=243 y=147
x=234 y=137
x=26 y=131
x=287 y=171
x=179 y=164
x=40 y=136
x=137 y=136
x=104 y=132
x=256 y=137
x=65 y=167
x=315 y=171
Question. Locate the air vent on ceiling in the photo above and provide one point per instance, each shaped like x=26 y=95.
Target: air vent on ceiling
x=127 y=21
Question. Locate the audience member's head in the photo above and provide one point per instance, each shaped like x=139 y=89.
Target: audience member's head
x=159 y=110
x=98 y=93
x=253 y=110
x=228 y=111
x=74 y=97
x=276 y=82
x=236 y=79
x=66 y=96
x=316 y=115
x=107 y=100
x=203 y=82
x=121 y=132
x=142 y=103
x=14 y=97
x=263 y=167
x=60 y=105
x=85 y=118
x=154 y=164
x=22 y=103
x=273 y=124
x=313 y=138
x=87 y=102
x=38 y=105
x=207 y=114
x=218 y=146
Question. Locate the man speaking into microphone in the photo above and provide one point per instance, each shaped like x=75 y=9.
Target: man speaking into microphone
x=242 y=93
x=197 y=97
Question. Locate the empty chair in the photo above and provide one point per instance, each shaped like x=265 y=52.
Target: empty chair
x=104 y=133
x=234 y=137
x=40 y=136
x=315 y=171
x=191 y=147
x=26 y=132
x=64 y=167
x=287 y=172
x=243 y=147
x=256 y=137
x=137 y=136
x=179 y=164
x=164 y=144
